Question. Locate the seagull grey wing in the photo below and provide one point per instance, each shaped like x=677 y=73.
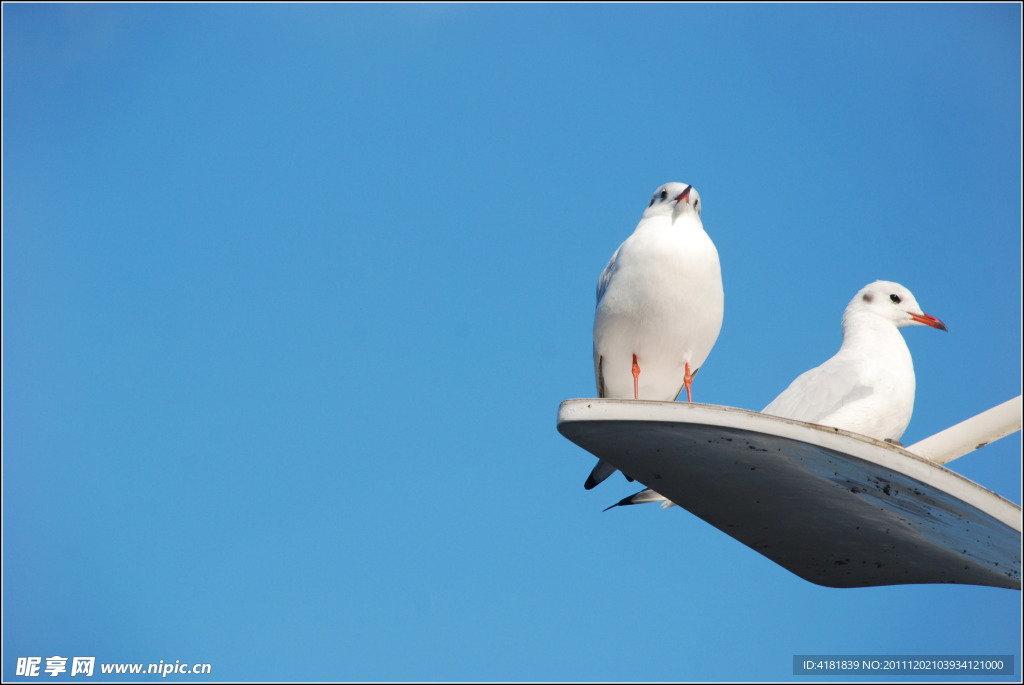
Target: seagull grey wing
x=606 y=275
x=819 y=393
x=603 y=468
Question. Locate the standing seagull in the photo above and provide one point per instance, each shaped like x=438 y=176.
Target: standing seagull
x=659 y=306
x=868 y=386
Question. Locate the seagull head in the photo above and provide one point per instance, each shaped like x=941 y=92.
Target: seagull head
x=892 y=302
x=674 y=200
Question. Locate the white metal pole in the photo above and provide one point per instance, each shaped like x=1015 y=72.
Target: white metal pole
x=969 y=435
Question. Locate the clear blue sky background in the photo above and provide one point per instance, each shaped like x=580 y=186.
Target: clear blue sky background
x=292 y=294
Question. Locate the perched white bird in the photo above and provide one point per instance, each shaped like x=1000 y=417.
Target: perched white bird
x=868 y=386
x=659 y=306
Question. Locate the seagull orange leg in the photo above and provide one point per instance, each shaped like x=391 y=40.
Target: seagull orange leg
x=688 y=381
x=636 y=379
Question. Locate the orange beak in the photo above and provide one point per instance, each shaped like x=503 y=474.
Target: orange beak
x=929 y=320
x=685 y=195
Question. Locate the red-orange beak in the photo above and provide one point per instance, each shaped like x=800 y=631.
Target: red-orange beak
x=928 y=320
x=685 y=195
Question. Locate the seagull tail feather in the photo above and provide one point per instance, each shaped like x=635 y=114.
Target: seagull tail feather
x=600 y=472
x=643 y=497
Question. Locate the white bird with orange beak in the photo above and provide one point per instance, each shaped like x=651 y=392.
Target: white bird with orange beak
x=659 y=306
x=868 y=387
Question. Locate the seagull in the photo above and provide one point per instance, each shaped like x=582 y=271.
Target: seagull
x=659 y=306
x=868 y=386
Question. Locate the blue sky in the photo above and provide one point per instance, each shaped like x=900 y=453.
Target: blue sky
x=291 y=295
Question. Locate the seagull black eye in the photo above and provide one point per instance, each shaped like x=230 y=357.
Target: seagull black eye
x=664 y=194
x=895 y=298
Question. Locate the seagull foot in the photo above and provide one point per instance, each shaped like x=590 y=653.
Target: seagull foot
x=688 y=381
x=636 y=379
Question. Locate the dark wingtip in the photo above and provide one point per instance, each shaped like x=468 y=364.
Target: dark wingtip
x=589 y=485
x=621 y=503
